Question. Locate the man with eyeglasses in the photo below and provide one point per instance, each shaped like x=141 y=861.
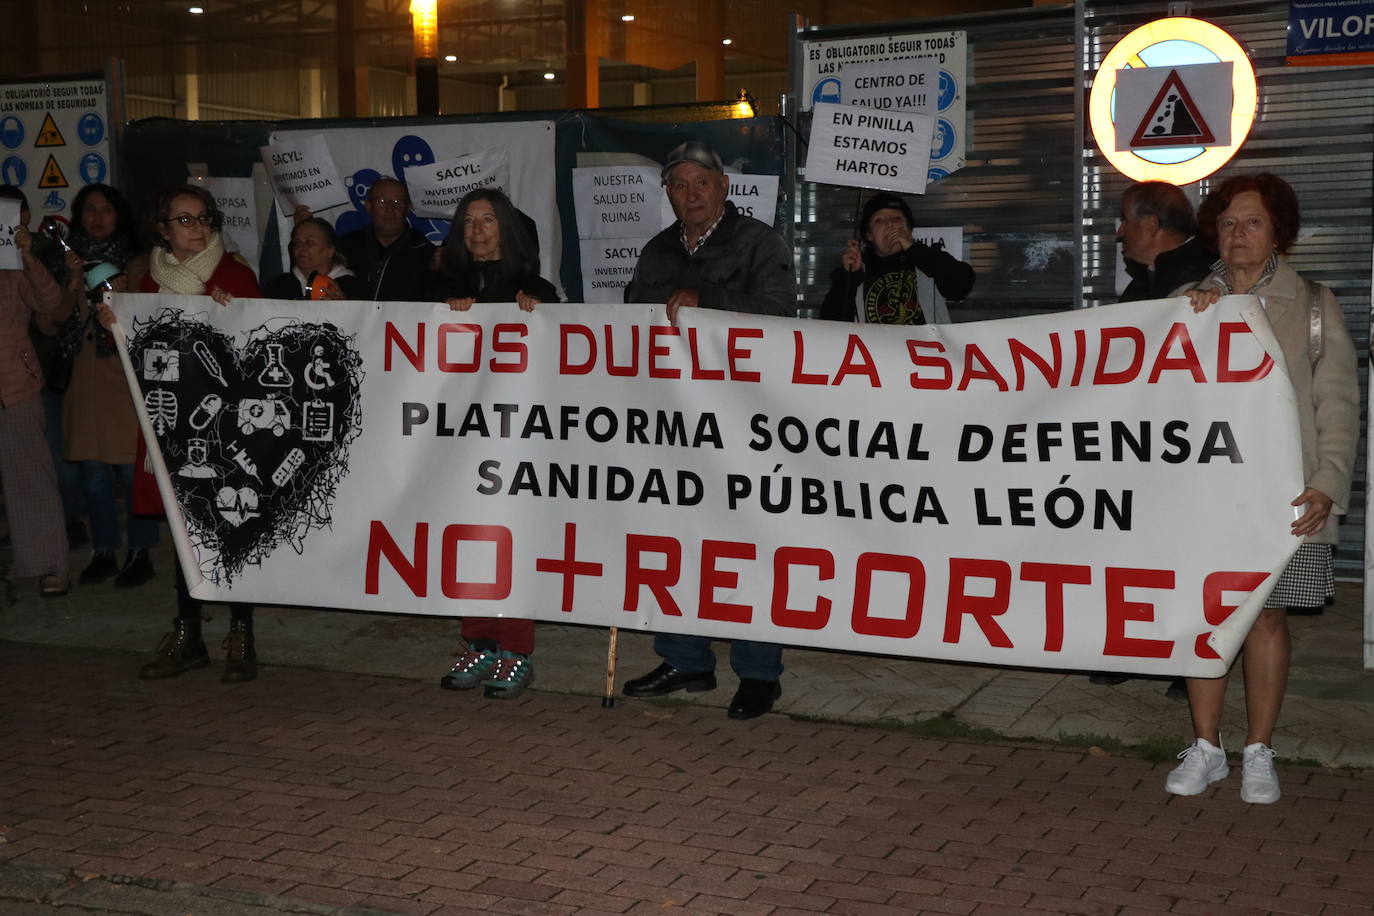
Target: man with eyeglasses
x=392 y=259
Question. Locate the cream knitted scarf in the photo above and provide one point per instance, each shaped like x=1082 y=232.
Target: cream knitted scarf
x=189 y=276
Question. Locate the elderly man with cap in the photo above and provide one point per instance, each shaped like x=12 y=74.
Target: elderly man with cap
x=876 y=280
x=712 y=257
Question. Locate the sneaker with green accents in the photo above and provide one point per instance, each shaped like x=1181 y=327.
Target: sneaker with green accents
x=472 y=666
x=512 y=674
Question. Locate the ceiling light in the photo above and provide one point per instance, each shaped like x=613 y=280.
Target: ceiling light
x=727 y=41
x=628 y=17
x=451 y=58
x=549 y=74
x=196 y=10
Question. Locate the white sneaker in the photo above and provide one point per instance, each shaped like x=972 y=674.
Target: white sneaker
x=1259 y=783
x=1202 y=765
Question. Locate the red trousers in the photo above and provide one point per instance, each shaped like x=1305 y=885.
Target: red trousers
x=512 y=633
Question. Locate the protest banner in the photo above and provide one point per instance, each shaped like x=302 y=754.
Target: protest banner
x=437 y=187
x=862 y=148
x=1104 y=489
x=303 y=174
x=10 y=258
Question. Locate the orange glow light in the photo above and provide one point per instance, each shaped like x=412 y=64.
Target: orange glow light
x=424 y=23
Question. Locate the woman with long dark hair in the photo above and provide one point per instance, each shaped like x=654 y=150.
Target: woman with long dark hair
x=492 y=255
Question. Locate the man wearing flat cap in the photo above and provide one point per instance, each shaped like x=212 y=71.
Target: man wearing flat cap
x=712 y=257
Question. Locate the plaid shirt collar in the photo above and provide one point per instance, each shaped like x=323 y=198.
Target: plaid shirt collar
x=693 y=249
x=1224 y=280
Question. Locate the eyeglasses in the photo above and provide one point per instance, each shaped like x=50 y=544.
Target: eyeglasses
x=388 y=201
x=186 y=220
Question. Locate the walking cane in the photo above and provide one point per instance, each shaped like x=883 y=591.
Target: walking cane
x=608 y=701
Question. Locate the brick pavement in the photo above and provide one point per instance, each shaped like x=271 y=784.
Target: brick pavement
x=344 y=790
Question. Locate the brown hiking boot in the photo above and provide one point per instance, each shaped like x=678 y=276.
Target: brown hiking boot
x=240 y=656
x=180 y=650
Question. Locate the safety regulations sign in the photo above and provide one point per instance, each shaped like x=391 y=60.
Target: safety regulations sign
x=823 y=68
x=54 y=139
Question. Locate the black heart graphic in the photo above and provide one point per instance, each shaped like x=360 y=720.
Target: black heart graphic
x=256 y=440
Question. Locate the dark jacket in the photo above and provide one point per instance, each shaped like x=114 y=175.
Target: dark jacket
x=397 y=273
x=485 y=283
x=288 y=286
x=745 y=266
x=1188 y=263
x=888 y=285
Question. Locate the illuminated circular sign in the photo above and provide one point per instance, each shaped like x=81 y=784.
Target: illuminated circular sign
x=1173 y=42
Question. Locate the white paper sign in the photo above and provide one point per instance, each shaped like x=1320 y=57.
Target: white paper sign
x=436 y=188
x=952 y=239
x=861 y=148
x=302 y=172
x=234 y=197
x=9 y=222
x=1167 y=107
x=618 y=201
x=607 y=266
x=900 y=85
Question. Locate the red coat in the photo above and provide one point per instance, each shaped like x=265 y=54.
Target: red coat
x=236 y=278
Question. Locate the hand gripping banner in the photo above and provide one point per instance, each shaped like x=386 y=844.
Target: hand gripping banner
x=1104 y=489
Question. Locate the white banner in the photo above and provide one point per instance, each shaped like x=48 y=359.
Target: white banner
x=10 y=258
x=436 y=189
x=303 y=173
x=862 y=148
x=235 y=199
x=1105 y=489
x=364 y=154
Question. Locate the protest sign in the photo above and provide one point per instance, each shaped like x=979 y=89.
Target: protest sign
x=608 y=265
x=303 y=174
x=10 y=259
x=618 y=201
x=862 y=148
x=234 y=197
x=437 y=187
x=901 y=85
x=1103 y=488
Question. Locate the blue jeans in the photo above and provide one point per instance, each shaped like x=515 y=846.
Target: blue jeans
x=68 y=473
x=759 y=660
x=98 y=479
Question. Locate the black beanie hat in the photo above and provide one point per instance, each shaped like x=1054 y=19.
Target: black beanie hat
x=883 y=201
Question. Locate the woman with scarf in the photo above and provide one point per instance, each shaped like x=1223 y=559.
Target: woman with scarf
x=315 y=255
x=99 y=422
x=190 y=259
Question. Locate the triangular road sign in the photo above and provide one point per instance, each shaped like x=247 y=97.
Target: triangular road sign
x=52 y=175
x=1173 y=119
x=48 y=134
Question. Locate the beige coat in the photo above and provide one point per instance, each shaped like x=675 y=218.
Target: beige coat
x=98 y=418
x=1328 y=391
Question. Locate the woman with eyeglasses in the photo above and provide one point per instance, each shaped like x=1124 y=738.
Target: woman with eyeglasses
x=190 y=259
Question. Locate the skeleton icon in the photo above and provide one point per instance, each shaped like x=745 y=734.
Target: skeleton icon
x=162 y=410
x=237 y=506
x=318 y=369
x=317 y=421
x=293 y=460
x=197 y=453
x=240 y=457
x=161 y=365
x=205 y=412
x=207 y=359
x=275 y=374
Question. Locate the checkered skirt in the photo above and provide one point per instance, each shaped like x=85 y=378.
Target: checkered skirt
x=1307 y=581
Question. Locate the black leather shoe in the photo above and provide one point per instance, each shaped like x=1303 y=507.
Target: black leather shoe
x=754 y=698
x=666 y=679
